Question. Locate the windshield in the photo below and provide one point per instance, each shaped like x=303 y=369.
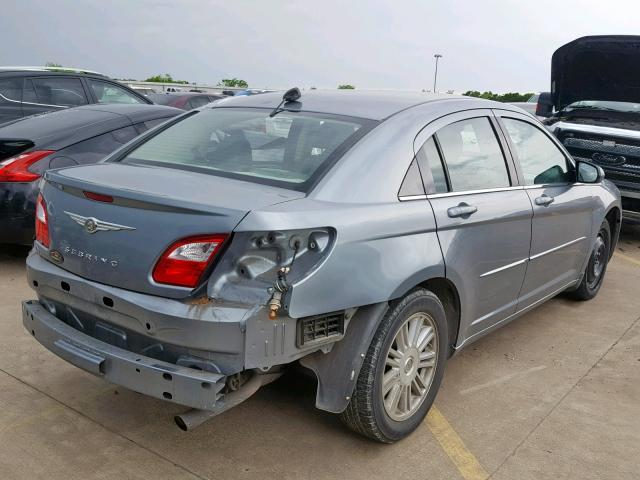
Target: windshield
x=289 y=149
x=627 y=107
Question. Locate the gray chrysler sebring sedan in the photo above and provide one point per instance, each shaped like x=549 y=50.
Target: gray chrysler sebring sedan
x=366 y=237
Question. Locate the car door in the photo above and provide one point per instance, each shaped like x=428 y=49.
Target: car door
x=43 y=94
x=483 y=216
x=562 y=213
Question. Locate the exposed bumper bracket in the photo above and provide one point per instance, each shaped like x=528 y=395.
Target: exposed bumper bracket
x=185 y=386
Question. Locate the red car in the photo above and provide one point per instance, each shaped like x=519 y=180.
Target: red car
x=183 y=100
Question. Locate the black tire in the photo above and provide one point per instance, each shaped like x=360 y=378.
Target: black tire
x=366 y=413
x=596 y=267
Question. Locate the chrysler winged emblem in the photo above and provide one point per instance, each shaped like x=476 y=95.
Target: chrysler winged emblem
x=93 y=225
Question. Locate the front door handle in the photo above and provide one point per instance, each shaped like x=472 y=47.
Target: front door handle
x=544 y=200
x=462 y=210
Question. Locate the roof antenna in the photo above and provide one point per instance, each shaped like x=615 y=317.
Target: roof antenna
x=291 y=95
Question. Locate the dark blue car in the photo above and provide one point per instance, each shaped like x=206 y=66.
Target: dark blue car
x=77 y=136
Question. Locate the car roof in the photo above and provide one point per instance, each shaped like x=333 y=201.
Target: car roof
x=62 y=128
x=374 y=105
x=48 y=71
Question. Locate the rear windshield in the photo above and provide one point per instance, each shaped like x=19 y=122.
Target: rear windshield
x=289 y=149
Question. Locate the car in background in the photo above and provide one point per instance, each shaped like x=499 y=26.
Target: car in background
x=26 y=91
x=144 y=90
x=77 y=136
x=184 y=100
x=530 y=105
x=249 y=91
x=594 y=108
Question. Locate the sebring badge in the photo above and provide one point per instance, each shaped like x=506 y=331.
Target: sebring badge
x=93 y=225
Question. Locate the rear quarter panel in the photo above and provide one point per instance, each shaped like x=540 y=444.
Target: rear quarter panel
x=381 y=251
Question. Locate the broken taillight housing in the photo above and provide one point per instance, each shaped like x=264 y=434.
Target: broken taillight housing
x=42 y=223
x=186 y=260
x=21 y=167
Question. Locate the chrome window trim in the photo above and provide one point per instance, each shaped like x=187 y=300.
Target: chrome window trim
x=10 y=100
x=472 y=192
x=547 y=185
x=555 y=249
x=408 y=198
x=31 y=103
x=505 y=267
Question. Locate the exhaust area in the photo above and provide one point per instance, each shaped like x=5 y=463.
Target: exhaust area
x=193 y=418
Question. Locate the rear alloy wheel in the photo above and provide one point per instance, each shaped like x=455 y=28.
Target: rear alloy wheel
x=596 y=267
x=402 y=369
x=410 y=366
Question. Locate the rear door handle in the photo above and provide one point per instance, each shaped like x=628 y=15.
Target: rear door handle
x=544 y=200
x=462 y=210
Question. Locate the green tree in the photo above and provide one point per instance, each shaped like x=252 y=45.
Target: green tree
x=232 y=82
x=52 y=64
x=165 y=78
x=346 y=86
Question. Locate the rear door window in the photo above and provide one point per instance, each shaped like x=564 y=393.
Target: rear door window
x=289 y=149
x=431 y=167
x=10 y=91
x=541 y=161
x=107 y=92
x=29 y=92
x=473 y=155
x=64 y=91
x=412 y=184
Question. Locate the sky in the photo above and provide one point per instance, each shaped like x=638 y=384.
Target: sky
x=497 y=45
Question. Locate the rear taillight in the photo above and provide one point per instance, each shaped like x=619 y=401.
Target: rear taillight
x=42 y=224
x=184 y=262
x=20 y=167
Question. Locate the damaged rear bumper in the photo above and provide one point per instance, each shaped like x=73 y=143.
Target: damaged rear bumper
x=162 y=380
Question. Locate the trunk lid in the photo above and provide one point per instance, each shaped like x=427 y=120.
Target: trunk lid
x=152 y=208
x=596 y=68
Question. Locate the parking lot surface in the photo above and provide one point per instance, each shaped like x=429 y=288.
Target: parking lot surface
x=552 y=395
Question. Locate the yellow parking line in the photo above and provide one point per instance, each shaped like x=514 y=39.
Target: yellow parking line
x=628 y=259
x=466 y=463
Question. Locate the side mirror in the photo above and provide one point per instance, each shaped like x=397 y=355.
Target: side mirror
x=544 y=108
x=589 y=173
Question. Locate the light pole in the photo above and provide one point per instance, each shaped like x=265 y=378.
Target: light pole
x=437 y=56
